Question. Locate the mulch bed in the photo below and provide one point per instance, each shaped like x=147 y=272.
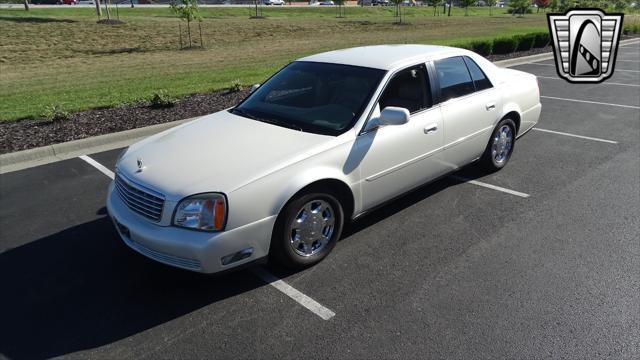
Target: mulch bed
x=27 y=134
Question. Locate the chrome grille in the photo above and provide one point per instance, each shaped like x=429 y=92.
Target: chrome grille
x=139 y=199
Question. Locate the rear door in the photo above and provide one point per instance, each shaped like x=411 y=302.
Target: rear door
x=469 y=104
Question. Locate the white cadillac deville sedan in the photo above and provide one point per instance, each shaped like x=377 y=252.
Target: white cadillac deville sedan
x=323 y=141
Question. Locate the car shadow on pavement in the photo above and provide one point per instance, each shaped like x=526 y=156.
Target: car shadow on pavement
x=83 y=288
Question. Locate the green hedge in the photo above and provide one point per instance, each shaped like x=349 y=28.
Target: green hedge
x=505 y=45
x=525 y=42
x=631 y=29
x=542 y=39
x=482 y=47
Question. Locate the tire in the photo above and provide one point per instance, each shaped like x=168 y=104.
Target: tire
x=500 y=146
x=307 y=230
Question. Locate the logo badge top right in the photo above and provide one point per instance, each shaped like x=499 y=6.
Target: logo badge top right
x=585 y=42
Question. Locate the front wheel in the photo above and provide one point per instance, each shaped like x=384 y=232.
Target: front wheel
x=307 y=230
x=500 y=147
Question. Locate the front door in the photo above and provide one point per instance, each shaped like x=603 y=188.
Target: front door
x=396 y=158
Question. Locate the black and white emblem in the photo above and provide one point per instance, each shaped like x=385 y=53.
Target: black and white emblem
x=585 y=42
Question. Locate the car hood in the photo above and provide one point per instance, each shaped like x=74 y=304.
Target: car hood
x=218 y=152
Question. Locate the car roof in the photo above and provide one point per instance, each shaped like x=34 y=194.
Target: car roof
x=385 y=57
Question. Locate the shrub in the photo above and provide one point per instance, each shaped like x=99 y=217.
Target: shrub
x=55 y=113
x=541 y=40
x=525 y=42
x=236 y=86
x=518 y=10
x=482 y=47
x=161 y=99
x=504 y=45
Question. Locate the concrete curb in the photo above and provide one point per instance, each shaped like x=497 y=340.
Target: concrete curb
x=47 y=154
x=524 y=60
x=43 y=155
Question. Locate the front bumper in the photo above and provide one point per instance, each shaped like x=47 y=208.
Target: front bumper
x=188 y=249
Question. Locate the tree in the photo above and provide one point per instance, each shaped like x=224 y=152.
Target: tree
x=436 y=6
x=398 y=4
x=98 y=9
x=519 y=6
x=26 y=5
x=188 y=11
x=491 y=4
x=542 y=4
x=465 y=4
x=339 y=7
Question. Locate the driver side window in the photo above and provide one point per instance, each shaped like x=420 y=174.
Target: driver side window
x=409 y=89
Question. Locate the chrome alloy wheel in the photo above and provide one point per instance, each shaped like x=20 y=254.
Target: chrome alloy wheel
x=312 y=228
x=502 y=144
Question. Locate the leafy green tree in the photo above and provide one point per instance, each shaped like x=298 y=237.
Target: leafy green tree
x=398 y=5
x=519 y=6
x=339 y=7
x=465 y=4
x=188 y=11
x=436 y=6
x=491 y=4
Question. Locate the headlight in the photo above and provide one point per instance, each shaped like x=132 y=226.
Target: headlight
x=205 y=212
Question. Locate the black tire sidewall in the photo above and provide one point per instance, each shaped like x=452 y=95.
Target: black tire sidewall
x=283 y=252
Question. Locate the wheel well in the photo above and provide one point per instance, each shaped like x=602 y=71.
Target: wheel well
x=513 y=115
x=334 y=187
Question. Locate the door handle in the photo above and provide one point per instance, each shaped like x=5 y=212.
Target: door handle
x=490 y=106
x=431 y=128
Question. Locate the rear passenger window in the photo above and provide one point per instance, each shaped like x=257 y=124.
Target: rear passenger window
x=479 y=79
x=408 y=89
x=454 y=78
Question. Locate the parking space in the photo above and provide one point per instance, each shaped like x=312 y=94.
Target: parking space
x=455 y=269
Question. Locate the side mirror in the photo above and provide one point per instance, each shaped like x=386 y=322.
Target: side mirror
x=390 y=115
x=254 y=87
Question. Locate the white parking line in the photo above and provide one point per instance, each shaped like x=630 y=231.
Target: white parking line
x=602 y=83
x=590 y=102
x=98 y=166
x=489 y=186
x=624 y=70
x=576 y=136
x=296 y=295
x=302 y=299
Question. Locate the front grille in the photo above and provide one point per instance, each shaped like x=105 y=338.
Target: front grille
x=139 y=199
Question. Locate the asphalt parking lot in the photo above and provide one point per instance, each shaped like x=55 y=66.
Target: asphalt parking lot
x=541 y=259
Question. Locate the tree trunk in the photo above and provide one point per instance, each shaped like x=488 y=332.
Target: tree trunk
x=26 y=5
x=450 y=4
x=106 y=8
x=189 y=31
x=98 y=10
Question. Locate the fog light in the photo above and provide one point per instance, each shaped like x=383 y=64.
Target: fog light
x=242 y=254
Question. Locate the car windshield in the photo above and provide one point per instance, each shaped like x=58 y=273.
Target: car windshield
x=314 y=97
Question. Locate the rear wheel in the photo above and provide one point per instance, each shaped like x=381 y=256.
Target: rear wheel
x=307 y=230
x=500 y=147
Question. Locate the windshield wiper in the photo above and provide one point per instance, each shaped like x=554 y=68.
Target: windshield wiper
x=279 y=123
x=243 y=113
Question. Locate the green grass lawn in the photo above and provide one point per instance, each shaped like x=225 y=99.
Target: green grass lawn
x=63 y=57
